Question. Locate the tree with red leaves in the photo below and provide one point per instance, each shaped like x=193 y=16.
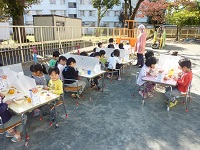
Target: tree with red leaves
x=154 y=9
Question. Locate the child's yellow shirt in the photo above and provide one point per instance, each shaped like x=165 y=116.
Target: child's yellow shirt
x=56 y=86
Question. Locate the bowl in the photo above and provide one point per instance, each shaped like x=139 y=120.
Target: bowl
x=19 y=100
x=4 y=91
x=39 y=87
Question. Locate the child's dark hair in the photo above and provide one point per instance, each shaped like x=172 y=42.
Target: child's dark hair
x=56 y=54
x=94 y=50
x=99 y=44
x=111 y=40
x=38 y=67
x=102 y=52
x=116 y=53
x=84 y=53
x=59 y=59
x=185 y=63
x=97 y=54
x=54 y=69
x=149 y=54
x=70 y=60
x=121 y=46
x=150 y=61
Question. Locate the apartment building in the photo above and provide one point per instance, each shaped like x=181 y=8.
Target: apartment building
x=76 y=9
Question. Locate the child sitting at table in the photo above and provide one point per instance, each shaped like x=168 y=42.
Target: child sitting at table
x=121 y=46
x=92 y=54
x=111 y=45
x=145 y=70
x=100 y=45
x=38 y=71
x=62 y=61
x=69 y=72
x=55 y=85
x=84 y=53
x=183 y=81
x=95 y=81
x=115 y=63
x=53 y=61
x=149 y=54
x=102 y=57
x=9 y=120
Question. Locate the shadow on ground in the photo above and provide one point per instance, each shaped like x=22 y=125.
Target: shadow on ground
x=115 y=120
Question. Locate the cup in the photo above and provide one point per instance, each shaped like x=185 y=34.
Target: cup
x=89 y=72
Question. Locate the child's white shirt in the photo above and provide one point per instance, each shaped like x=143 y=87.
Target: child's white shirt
x=113 y=61
x=61 y=67
x=142 y=74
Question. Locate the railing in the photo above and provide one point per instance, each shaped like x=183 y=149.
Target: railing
x=17 y=41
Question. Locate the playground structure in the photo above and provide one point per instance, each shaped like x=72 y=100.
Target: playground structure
x=159 y=38
x=128 y=34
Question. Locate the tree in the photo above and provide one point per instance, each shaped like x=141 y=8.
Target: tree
x=15 y=10
x=102 y=7
x=182 y=13
x=129 y=12
x=154 y=10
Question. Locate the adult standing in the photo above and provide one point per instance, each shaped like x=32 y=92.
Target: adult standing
x=140 y=45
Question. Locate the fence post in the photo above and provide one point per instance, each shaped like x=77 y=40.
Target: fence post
x=20 y=41
x=72 y=38
x=60 y=44
x=41 y=34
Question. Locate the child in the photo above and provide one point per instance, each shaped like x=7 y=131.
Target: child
x=121 y=46
x=140 y=45
x=9 y=120
x=149 y=54
x=100 y=45
x=70 y=73
x=94 y=51
x=95 y=81
x=111 y=41
x=102 y=57
x=62 y=61
x=183 y=82
x=38 y=71
x=55 y=84
x=145 y=70
x=53 y=61
x=114 y=63
x=84 y=53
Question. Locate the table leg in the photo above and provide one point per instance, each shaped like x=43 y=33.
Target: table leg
x=102 y=83
x=24 y=130
x=90 y=90
x=170 y=98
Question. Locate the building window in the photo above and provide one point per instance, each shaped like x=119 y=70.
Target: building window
x=116 y=13
x=82 y=13
x=53 y=12
x=62 y=2
x=91 y=13
x=106 y=24
x=38 y=12
x=52 y=1
x=81 y=2
x=71 y=5
x=107 y=13
x=63 y=13
x=72 y=15
x=116 y=24
x=29 y=22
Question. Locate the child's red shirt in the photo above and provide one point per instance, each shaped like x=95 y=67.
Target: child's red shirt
x=184 y=81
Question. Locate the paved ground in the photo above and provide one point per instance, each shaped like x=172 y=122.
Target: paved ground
x=114 y=120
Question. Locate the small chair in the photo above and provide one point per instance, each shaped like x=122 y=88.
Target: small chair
x=112 y=71
x=53 y=111
x=3 y=129
x=187 y=96
x=76 y=89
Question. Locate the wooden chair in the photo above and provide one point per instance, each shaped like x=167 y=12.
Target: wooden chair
x=3 y=129
x=76 y=89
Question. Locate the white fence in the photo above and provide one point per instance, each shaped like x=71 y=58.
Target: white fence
x=17 y=47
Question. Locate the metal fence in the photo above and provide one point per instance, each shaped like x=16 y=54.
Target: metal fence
x=16 y=42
